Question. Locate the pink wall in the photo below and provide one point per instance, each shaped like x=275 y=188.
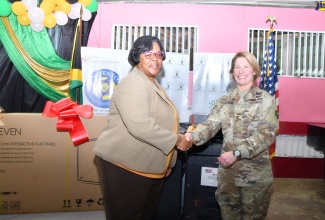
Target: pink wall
x=301 y=100
x=224 y=29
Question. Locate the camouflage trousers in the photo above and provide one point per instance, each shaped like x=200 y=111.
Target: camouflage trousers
x=243 y=203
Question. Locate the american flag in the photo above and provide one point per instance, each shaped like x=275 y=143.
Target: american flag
x=269 y=77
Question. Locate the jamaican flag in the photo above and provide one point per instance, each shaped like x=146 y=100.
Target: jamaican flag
x=75 y=83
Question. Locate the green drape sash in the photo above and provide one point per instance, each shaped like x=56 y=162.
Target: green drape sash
x=35 y=58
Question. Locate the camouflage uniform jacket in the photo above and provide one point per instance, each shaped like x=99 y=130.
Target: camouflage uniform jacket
x=249 y=125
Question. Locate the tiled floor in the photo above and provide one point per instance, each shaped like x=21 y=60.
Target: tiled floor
x=298 y=199
x=293 y=199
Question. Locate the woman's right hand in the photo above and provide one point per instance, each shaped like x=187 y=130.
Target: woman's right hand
x=182 y=143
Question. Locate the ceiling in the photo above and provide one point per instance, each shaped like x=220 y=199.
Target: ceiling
x=263 y=3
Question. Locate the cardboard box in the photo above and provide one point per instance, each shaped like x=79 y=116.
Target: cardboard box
x=42 y=171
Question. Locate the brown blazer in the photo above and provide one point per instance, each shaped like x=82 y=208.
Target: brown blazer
x=139 y=132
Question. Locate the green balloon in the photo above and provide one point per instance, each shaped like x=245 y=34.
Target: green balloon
x=93 y=6
x=5 y=9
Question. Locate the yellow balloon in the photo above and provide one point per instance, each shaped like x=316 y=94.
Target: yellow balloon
x=23 y=19
x=85 y=2
x=18 y=8
x=65 y=7
x=47 y=7
x=58 y=1
x=51 y=2
x=49 y=21
x=56 y=8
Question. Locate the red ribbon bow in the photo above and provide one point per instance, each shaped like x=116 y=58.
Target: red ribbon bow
x=68 y=113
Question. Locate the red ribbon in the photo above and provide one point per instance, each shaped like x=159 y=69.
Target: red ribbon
x=68 y=113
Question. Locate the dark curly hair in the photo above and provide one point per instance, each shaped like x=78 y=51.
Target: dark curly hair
x=141 y=45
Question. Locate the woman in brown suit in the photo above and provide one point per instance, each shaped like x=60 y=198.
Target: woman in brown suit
x=136 y=150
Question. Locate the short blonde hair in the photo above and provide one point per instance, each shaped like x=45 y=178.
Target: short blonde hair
x=251 y=60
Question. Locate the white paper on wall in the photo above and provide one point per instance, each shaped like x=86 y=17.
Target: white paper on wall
x=210 y=80
x=174 y=80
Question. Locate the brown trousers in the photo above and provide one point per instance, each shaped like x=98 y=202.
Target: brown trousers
x=128 y=195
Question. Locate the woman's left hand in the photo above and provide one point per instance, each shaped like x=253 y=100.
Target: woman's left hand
x=169 y=170
x=227 y=159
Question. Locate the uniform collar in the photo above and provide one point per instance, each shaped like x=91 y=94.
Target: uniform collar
x=251 y=94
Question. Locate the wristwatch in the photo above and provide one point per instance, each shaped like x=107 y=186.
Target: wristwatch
x=237 y=154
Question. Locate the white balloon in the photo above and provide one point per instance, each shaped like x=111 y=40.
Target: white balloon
x=36 y=15
x=61 y=17
x=37 y=26
x=75 y=9
x=71 y=15
x=86 y=15
x=30 y=3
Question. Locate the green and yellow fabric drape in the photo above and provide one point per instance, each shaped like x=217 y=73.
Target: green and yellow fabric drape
x=33 y=55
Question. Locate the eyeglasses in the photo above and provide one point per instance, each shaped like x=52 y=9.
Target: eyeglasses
x=150 y=54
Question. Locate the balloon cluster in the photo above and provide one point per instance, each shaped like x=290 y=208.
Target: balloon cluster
x=49 y=13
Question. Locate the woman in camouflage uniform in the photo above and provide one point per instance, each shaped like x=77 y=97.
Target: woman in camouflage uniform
x=249 y=120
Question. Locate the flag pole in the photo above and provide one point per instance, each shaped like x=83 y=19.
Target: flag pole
x=268 y=81
x=271 y=19
x=81 y=13
x=76 y=82
x=78 y=98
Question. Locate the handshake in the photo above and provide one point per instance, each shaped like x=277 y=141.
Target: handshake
x=184 y=141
